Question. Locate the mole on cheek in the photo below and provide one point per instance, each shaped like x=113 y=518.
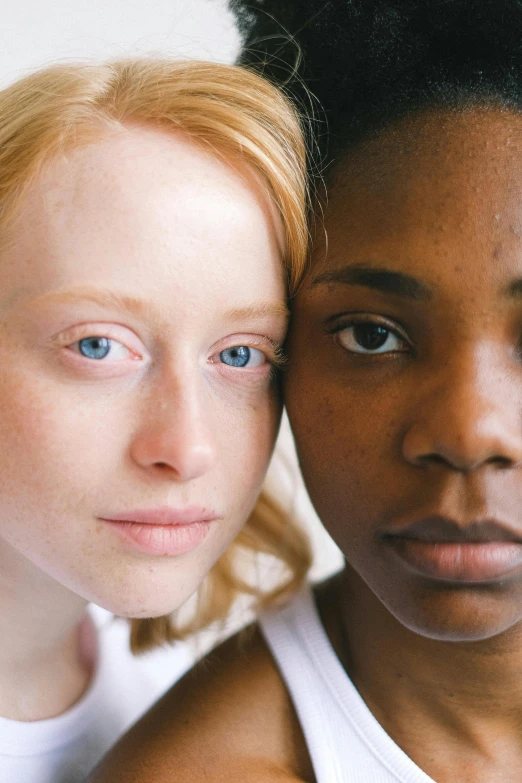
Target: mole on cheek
x=497 y=252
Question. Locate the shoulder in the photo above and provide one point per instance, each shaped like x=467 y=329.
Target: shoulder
x=229 y=719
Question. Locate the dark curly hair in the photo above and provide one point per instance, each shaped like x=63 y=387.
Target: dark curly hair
x=369 y=62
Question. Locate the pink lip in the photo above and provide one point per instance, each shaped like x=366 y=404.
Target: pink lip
x=163 y=531
x=440 y=548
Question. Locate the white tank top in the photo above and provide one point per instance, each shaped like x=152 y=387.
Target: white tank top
x=345 y=741
x=66 y=748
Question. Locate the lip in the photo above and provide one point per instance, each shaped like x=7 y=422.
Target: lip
x=162 y=531
x=441 y=548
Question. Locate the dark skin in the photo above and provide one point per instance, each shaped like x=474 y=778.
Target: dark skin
x=404 y=390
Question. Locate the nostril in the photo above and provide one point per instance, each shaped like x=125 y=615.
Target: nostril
x=455 y=463
x=432 y=458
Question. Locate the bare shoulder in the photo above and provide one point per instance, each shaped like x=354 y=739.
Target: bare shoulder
x=229 y=719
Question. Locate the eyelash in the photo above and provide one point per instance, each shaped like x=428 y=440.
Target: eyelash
x=353 y=321
x=113 y=345
x=272 y=351
x=278 y=357
x=113 y=333
x=273 y=354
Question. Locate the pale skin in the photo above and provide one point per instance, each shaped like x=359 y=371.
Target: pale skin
x=172 y=255
x=429 y=424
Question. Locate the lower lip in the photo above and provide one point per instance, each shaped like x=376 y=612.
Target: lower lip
x=162 y=540
x=459 y=562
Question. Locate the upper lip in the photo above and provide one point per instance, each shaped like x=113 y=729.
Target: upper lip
x=441 y=529
x=164 y=515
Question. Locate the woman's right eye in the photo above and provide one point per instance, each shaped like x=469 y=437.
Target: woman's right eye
x=369 y=338
x=99 y=348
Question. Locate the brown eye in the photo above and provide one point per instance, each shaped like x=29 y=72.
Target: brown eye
x=369 y=338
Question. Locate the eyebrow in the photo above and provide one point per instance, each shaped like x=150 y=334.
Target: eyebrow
x=131 y=304
x=258 y=310
x=136 y=306
x=382 y=280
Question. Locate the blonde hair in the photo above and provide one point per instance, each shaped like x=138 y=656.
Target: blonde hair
x=235 y=113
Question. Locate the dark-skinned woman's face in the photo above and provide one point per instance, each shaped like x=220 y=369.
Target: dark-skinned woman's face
x=404 y=386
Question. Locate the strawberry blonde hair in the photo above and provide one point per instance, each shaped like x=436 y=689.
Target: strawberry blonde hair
x=234 y=113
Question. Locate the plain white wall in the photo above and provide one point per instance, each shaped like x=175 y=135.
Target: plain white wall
x=36 y=32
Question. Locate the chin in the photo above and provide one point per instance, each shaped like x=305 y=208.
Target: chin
x=145 y=598
x=461 y=614
x=137 y=609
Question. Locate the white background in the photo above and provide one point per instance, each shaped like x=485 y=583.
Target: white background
x=36 y=32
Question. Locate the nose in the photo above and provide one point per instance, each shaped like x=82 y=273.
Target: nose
x=470 y=418
x=175 y=435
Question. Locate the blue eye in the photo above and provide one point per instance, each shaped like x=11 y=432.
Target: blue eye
x=94 y=347
x=241 y=356
x=238 y=356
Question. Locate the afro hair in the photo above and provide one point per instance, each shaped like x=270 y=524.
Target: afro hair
x=370 y=61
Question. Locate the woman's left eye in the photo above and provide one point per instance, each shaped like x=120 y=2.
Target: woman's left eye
x=370 y=338
x=242 y=356
x=98 y=348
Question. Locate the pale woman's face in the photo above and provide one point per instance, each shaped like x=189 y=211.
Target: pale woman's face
x=141 y=306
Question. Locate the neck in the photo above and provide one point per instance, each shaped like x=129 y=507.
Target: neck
x=431 y=695
x=44 y=664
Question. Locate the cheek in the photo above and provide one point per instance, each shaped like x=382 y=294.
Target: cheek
x=335 y=430
x=246 y=438
x=56 y=442
x=247 y=435
x=347 y=443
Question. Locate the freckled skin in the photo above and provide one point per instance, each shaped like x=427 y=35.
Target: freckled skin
x=144 y=214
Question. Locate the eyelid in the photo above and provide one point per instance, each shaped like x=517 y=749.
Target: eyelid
x=352 y=320
x=115 y=345
x=339 y=322
x=115 y=332
x=275 y=360
x=272 y=349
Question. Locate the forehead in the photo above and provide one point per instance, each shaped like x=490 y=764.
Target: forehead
x=438 y=179
x=142 y=206
x=141 y=172
x=435 y=156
